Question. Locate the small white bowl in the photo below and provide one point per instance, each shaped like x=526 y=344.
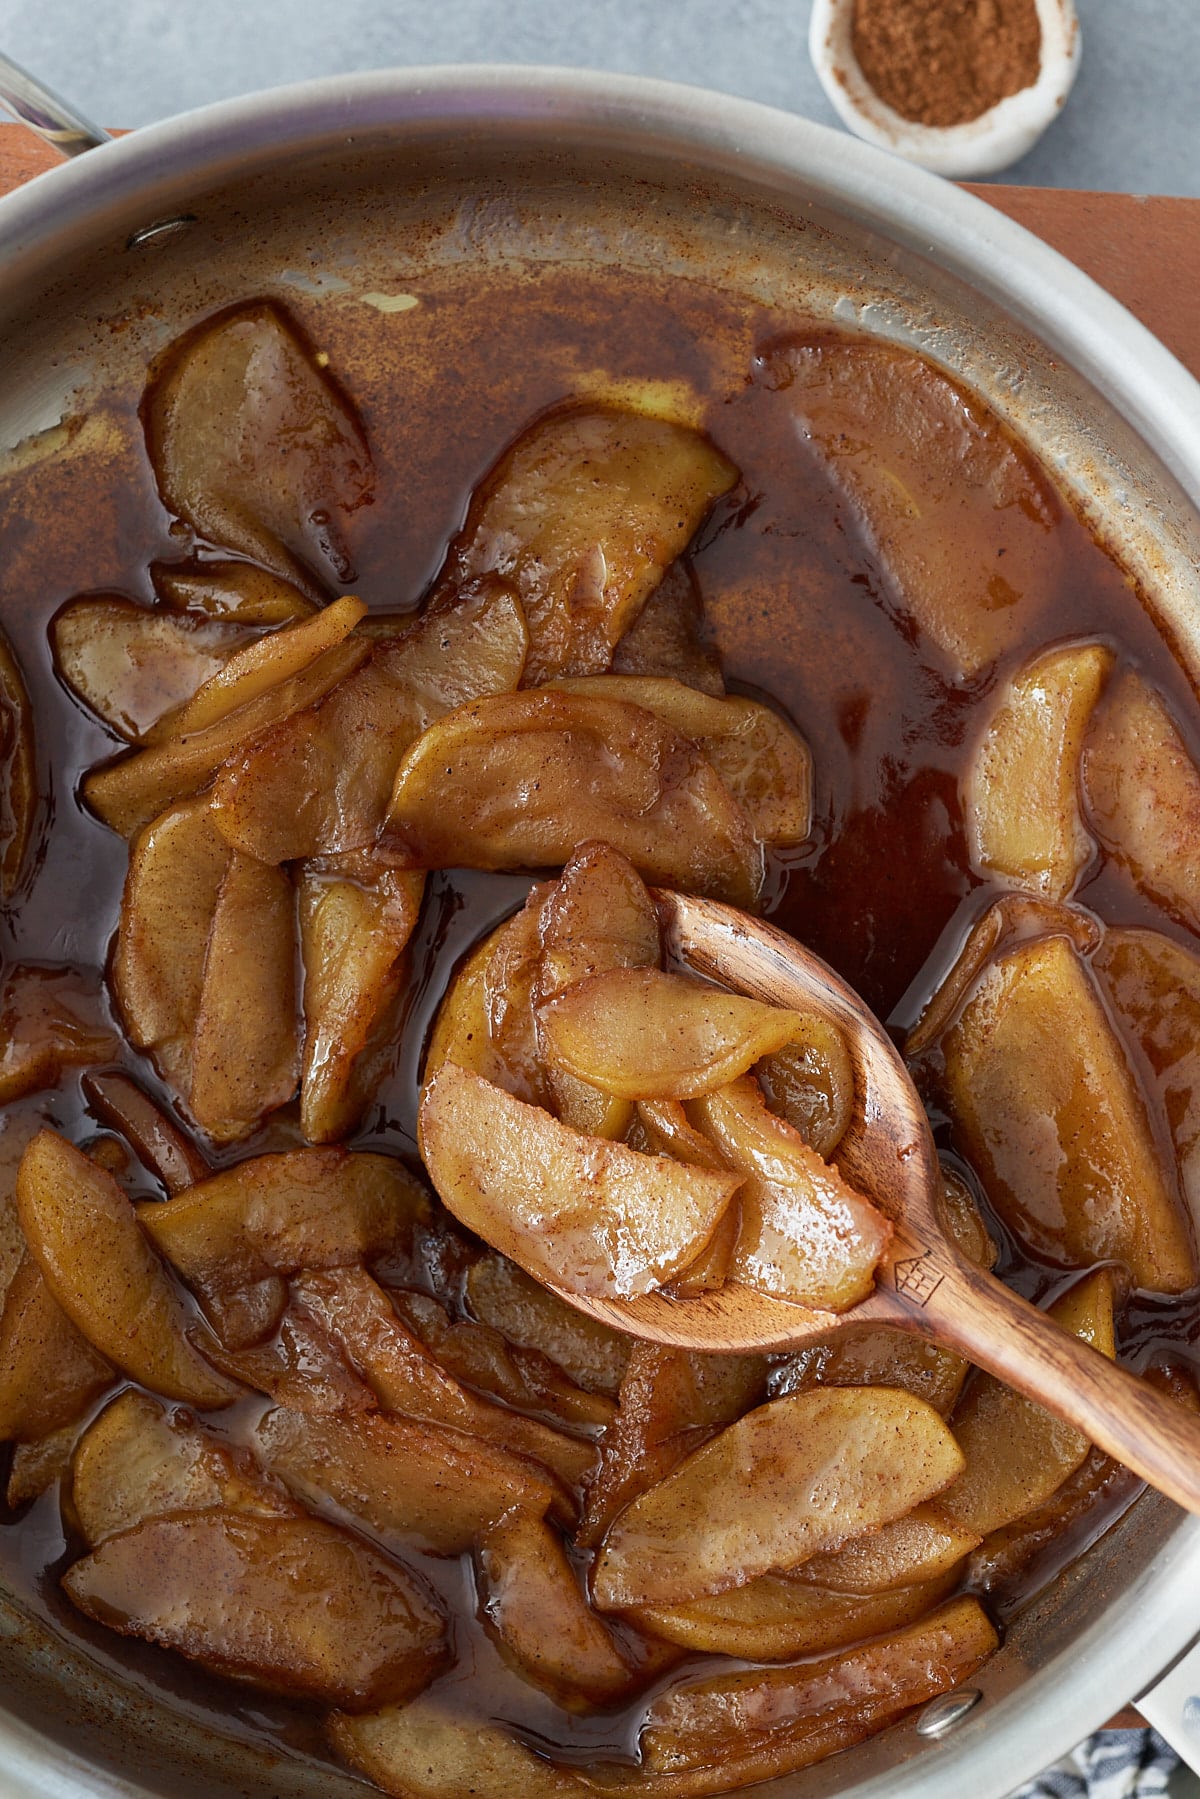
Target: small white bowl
x=980 y=146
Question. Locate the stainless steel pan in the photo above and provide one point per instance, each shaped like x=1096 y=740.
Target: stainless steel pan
x=345 y=187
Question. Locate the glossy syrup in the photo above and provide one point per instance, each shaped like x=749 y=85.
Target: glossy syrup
x=803 y=615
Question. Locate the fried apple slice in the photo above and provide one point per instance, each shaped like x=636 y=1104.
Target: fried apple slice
x=275 y=1214
x=914 y=1550
x=18 y=772
x=405 y=1481
x=139 y=1460
x=254 y=671
x=246 y=1053
x=45 y=1027
x=38 y=1465
x=961 y=516
x=671 y=1401
x=810 y=1083
x=176 y=869
x=131 y=792
x=763 y=761
x=796 y=1476
x=504 y=1296
x=1016 y=1453
x=299 y=1367
x=582 y=515
x=1143 y=792
x=1021 y=797
x=598 y=916
x=355 y=923
x=237 y=591
x=577 y=1211
x=132 y=666
x=357 y=1315
x=84 y=1235
x=774 y=1619
x=1153 y=985
x=537 y=774
x=666 y=1130
x=160 y=1145
x=291 y=1605
x=256 y=448
x=643 y=1034
x=424 y=1751
x=667 y=636
x=319 y=783
x=1049 y=1112
x=805 y=1235
x=523 y=1379
x=712 y=1735
x=49 y=1372
x=532 y=1604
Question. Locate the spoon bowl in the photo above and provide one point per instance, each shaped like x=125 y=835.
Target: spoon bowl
x=923 y=1285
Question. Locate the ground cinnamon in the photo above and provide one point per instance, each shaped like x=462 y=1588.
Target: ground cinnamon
x=942 y=62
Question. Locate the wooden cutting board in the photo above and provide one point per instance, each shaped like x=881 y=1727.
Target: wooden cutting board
x=1145 y=251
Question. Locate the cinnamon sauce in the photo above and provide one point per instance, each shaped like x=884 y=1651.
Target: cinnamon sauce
x=803 y=615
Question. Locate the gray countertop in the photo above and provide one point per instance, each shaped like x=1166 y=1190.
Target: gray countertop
x=1132 y=123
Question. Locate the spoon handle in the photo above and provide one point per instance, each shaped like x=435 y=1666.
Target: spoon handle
x=969 y=1311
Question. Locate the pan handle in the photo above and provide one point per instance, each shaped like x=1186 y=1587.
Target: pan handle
x=43 y=111
x=1172 y=1705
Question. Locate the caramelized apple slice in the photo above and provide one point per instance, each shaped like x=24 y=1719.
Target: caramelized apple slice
x=159 y=1143
x=355 y=923
x=1021 y=798
x=667 y=1131
x=275 y=1214
x=246 y=1054
x=1143 y=791
x=486 y=1023
x=1153 y=984
x=319 y=783
x=267 y=663
x=1045 y=1100
x=599 y=916
x=710 y=1736
x=503 y=1295
x=577 y=1211
x=406 y=1482
x=805 y=1235
x=671 y=1402
x=667 y=636
x=40 y=1464
x=962 y=518
x=45 y=1027
x=536 y=774
x=357 y=1315
x=914 y=1550
x=582 y=515
x=291 y=1605
x=774 y=1619
x=810 y=1083
x=426 y=1751
x=18 y=772
x=129 y=793
x=49 y=1372
x=643 y=1034
x=139 y=1460
x=1016 y=1453
x=236 y=591
x=256 y=448
x=132 y=666
x=299 y=1367
x=175 y=873
x=796 y=1476
x=532 y=1604
x=763 y=761
x=84 y=1234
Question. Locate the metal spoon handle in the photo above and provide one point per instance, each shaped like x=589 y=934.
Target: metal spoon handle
x=33 y=104
x=969 y=1311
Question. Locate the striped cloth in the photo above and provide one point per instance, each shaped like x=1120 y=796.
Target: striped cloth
x=1114 y=1764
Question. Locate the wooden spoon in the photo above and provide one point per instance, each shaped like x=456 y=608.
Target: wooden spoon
x=924 y=1284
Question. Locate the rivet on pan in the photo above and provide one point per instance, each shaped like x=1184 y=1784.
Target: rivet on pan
x=947 y=1711
x=160 y=228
